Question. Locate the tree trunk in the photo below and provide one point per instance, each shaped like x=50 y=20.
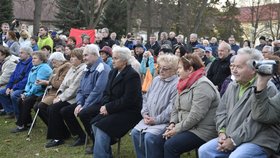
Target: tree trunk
x=199 y=16
x=129 y=11
x=149 y=22
x=37 y=16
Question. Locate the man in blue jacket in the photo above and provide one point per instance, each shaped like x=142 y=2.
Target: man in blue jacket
x=11 y=93
x=89 y=95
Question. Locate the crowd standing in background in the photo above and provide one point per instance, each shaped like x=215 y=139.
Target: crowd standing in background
x=175 y=95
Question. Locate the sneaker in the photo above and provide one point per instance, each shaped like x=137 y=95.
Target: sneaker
x=79 y=141
x=18 y=129
x=53 y=143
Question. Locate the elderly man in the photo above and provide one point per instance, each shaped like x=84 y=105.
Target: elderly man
x=172 y=38
x=89 y=94
x=219 y=69
x=267 y=50
x=106 y=39
x=5 y=27
x=200 y=51
x=11 y=93
x=193 y=42
x=239 y=134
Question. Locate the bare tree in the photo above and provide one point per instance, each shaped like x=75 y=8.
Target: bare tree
x=130 y=7
x=274 y=24
x=92 y=10
x=199 y=14
x=37 y=15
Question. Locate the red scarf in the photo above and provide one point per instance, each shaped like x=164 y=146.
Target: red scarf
x=190 y=80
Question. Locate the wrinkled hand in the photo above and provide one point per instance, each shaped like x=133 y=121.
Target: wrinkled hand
x=77 y=110
x=56 y=100
x=22 y=96
x=170 y=131
x=8 y=91
x=103 y=110
x=226 y=146
x=221 y=139
x=149 y=120
x=262 y=81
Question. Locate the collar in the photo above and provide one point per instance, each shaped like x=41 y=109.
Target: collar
x=171 y=78
x=249 y=83
x=94 y=66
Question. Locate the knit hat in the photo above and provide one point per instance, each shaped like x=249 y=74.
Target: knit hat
x=107 y=50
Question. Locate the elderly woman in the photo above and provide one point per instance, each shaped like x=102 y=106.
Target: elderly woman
x=88 y=97
x=61 y=67
x=157 y=106
x=40 y=71
x=121 y=104
x=192 y=118
x=13 y=42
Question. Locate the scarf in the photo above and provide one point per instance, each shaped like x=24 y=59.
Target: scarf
x=190 y=80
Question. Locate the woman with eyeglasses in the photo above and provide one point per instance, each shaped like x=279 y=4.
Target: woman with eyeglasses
x=156 y=109
x=192 y=118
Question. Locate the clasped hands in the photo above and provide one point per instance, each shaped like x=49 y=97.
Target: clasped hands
x=170 y=131
x=225 y=143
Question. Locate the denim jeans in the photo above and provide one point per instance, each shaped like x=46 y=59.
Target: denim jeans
x=102 y=147
x=245 y=150
x=147 y=145
x=10 y=103
x=180 y=143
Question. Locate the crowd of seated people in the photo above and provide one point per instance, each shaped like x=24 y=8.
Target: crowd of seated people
x=198 y=96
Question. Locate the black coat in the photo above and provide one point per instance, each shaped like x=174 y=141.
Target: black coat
x=123 y=101
x=219 y=71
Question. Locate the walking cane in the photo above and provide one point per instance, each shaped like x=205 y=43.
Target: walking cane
x=34 y=119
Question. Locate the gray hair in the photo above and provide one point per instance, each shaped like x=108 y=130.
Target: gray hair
x=27 y=49
x=194 y=35
x=225 y=45
x=171 y=59
x=105 y=30
x=57 y=56
x=253 y=53
x=92 y=49
x=270 y=48
x=124 y=53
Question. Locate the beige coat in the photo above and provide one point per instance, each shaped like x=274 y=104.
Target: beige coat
x=55 y=81
x=195 y=109
x=7 y=69
x=68 y=89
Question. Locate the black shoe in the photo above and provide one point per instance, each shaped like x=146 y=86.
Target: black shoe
x=3 y=113
x=53 y=143
x=79 y=141
x=18 y=129
x=89 y=150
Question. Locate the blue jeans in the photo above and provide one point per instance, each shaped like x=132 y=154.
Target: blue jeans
x=180 y=143
x=245 y=150
x=147 y=145
x=102 y=147
x=10 y=103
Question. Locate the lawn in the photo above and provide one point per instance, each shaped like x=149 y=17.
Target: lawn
x=16 y=145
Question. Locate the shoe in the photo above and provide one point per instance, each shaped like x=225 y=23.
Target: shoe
x=89 y=150
x=79 y=141
x=53 y=143
x=18 y=129
x=10 y=116
x=3 y=113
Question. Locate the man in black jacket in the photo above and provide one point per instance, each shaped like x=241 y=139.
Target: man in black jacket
x=5 y=27
x=219 y=70
x=106 y=40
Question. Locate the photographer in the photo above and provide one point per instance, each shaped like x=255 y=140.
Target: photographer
x=265 y=109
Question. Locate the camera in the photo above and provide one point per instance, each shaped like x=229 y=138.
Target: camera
x=266 y=67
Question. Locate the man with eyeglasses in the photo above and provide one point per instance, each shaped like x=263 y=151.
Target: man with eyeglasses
x=266 y=51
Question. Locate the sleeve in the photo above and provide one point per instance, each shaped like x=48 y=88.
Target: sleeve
x=151 y=65
x=79 y=96
x=43 y=74
x=249 y=127
x=221 y=113
x=21 y=84
x=70 y=92
x=174 y=114
x=264 y=109
x=145 y=110
x=202 y=98
x=7 y=72
x=143 y=66
x=131 y=90
x=211 y=72
x=56 y=81
x=164 y=116
x=96 y=94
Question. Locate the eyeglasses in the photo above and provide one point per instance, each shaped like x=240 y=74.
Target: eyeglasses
x=164 y=68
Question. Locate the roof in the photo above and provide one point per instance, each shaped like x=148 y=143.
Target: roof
x=24 y=10
x=266 y=13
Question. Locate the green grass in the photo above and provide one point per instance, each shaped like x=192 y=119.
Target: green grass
x=16 y=145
